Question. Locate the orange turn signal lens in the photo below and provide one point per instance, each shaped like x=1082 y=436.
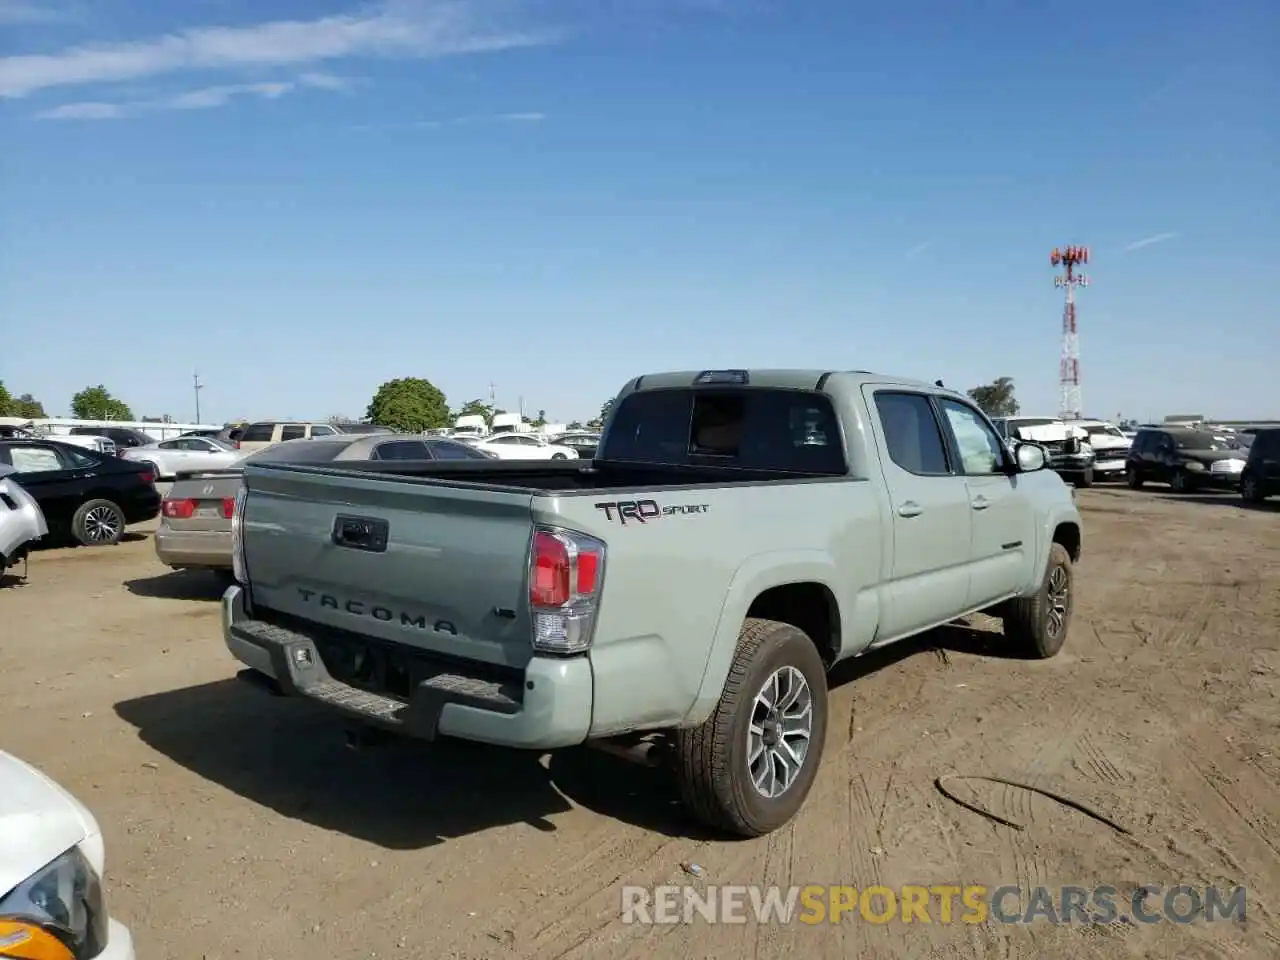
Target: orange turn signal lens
x=26 y=941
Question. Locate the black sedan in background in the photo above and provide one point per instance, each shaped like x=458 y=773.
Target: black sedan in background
x=85 y=496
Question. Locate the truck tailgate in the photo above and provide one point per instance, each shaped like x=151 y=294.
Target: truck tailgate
x=441 y=567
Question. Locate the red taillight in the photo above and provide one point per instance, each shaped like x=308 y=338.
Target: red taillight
x=228 y=507
x=147 y=476
x=178 y=509
x=566 y=571
x=553 y=580
x=549 y=571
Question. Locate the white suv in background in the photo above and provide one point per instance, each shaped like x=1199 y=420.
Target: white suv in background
x=265 y=433
x=51 y=860
x=1110 y=448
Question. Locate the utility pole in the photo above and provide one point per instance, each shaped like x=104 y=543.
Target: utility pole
x=1069 y=258
x=491 y=401
x=198 y=386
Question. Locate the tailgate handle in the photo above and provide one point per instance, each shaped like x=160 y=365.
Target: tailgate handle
x=360 y=533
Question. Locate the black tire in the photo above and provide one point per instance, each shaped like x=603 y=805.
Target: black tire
x=1084 y=479
x=1029 y=622
x=98 y=523
x=1251 y=489
x=224 y=578
x=1133 y=478
x=1181 y=482
x=712 y=760
x=559 y=456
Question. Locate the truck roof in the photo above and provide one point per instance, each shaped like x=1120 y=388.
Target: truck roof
x=777 y=378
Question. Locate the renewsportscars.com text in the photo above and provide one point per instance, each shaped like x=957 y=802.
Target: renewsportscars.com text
x=942 y=904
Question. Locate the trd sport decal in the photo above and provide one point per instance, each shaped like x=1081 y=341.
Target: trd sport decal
x=645 y=510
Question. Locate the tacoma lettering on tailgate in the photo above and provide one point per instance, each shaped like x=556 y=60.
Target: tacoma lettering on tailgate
x=359 y=608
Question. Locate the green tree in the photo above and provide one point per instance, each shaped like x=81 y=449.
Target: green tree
x=6 y=401
x=476 y=408
x=97 y=403
x=996 y=398
x=409 y=404
x=605 y=410
x=28 y=406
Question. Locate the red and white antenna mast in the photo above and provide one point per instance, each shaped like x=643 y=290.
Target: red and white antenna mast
x=1069 y=259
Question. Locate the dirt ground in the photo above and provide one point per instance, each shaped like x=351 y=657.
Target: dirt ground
x=238 y=825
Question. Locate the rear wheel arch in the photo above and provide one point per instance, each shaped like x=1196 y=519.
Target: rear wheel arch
x=770 y=587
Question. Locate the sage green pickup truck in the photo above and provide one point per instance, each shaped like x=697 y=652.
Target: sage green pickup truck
x=738 y=533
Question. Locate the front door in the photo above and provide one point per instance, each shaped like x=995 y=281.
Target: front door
x=1004 y=529
x=929 y=512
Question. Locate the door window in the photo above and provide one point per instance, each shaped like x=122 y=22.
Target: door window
x=448 y=450
x=257 y=433
x=912 y=434
x=34 y=459
x=980 y=449
x=292 y=431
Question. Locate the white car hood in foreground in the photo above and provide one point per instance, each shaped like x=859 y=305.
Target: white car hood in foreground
x=39 y=821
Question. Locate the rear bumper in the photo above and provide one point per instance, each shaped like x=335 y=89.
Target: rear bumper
x=193 y=548
x=550 y=708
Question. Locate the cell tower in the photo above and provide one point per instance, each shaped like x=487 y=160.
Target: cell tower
x=1069 y=259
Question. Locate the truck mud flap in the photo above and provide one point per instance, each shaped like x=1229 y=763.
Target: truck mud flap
x=300 y=671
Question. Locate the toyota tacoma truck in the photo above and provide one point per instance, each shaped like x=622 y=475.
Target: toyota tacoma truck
x=738 y=533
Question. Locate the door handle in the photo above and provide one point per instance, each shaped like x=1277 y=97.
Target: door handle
x=909 y=509
x=980 y=502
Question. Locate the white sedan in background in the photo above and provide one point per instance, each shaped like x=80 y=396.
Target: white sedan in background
x=524 y=446
x=51 y=861
x=184 y=455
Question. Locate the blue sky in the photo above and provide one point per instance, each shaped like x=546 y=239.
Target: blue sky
x=303 y=199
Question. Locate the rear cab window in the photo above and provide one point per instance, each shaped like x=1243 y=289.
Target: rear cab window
x=754 y=428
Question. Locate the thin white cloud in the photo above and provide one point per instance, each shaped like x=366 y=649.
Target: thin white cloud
x=326 y=81
x=1149 y=241
x=204 y=98
x=518 y=117
x=30 y=12
x=431 y=28
x=919 y=248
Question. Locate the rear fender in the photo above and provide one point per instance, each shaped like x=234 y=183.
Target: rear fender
x=758 y=574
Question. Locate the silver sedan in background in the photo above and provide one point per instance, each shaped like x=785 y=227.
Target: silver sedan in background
x=195 y=517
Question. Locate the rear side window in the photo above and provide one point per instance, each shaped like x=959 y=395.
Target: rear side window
x=292 y=431
x=448 y=450
x=912 y=434
x=403 y=450
x=321 y=430
x=257 y=433
x=792 y=431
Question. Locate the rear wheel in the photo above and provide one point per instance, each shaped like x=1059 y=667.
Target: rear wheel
x=1038 y=624
x=98 y=523
x=1181 y=482
x=748 y=769
x=1251 y=489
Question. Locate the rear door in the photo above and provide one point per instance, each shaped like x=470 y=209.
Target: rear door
x=431 y=565
x=1268 y=457
x=1004 y=527
x=931 y=513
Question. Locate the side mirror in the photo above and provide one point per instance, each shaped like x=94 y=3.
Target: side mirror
x=1030 y=457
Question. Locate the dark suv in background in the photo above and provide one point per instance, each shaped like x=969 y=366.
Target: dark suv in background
x=1261 y=476
x=1186 y=458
